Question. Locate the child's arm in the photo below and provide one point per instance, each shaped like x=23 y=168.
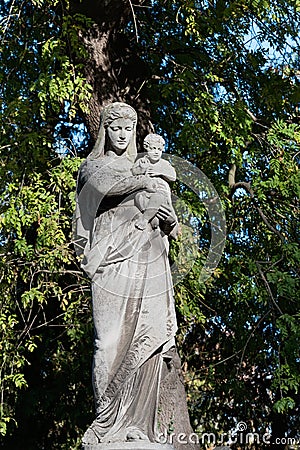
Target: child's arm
x=140 y=167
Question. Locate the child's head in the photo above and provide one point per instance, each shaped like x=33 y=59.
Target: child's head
x=154 y=146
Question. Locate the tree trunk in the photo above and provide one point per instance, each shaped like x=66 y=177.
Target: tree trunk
x=117 y=74
x=279 y=429
x=113 y=70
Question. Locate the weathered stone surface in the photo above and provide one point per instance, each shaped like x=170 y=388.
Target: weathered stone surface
x=133 y=304
x=128 y=446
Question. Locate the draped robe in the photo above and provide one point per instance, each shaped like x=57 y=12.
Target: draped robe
x=133 y=304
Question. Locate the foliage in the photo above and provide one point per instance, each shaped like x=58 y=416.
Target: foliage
x=224 y=87
x=44 y=308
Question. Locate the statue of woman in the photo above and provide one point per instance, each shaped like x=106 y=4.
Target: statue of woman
x=132 y=296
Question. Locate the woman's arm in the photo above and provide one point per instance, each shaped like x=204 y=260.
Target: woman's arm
x=104 y=181
x=127 y=185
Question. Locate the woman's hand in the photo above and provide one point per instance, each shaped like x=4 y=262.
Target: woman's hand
x=166 y=215
x=152 y=172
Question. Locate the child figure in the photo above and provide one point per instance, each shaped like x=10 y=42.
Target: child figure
x=151 y=164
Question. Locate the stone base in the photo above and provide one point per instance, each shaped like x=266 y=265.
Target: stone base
x=136 y=445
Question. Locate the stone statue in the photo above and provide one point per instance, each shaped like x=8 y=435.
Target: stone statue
x=152 y=165
x=132 y=295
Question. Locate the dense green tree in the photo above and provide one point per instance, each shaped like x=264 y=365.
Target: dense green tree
x=223 y=79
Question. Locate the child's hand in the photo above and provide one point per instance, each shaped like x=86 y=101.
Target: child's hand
x=144 y=164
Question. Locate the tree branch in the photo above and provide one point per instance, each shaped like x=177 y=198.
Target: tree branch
x=267 y=287
x=247 y=187
x=250 y=337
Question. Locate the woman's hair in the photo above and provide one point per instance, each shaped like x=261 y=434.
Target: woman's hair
x=110 y=113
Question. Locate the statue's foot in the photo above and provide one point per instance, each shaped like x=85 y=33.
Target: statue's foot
x=135 y=434
x=141 y=224
x=90 y=437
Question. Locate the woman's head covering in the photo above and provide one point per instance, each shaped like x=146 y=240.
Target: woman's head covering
x=113 y=111
x=83 y=220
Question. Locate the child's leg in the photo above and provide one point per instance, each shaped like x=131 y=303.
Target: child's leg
x=155 y=201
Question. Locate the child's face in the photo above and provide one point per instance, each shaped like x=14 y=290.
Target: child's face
x=154 y=151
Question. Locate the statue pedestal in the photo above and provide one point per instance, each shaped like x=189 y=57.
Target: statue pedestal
x=137 y=445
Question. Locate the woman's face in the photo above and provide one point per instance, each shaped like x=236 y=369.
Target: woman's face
x=120 y=133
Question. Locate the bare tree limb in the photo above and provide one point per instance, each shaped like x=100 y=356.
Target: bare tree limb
x=247 y=187
x=267 y=286
x=250 y=337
